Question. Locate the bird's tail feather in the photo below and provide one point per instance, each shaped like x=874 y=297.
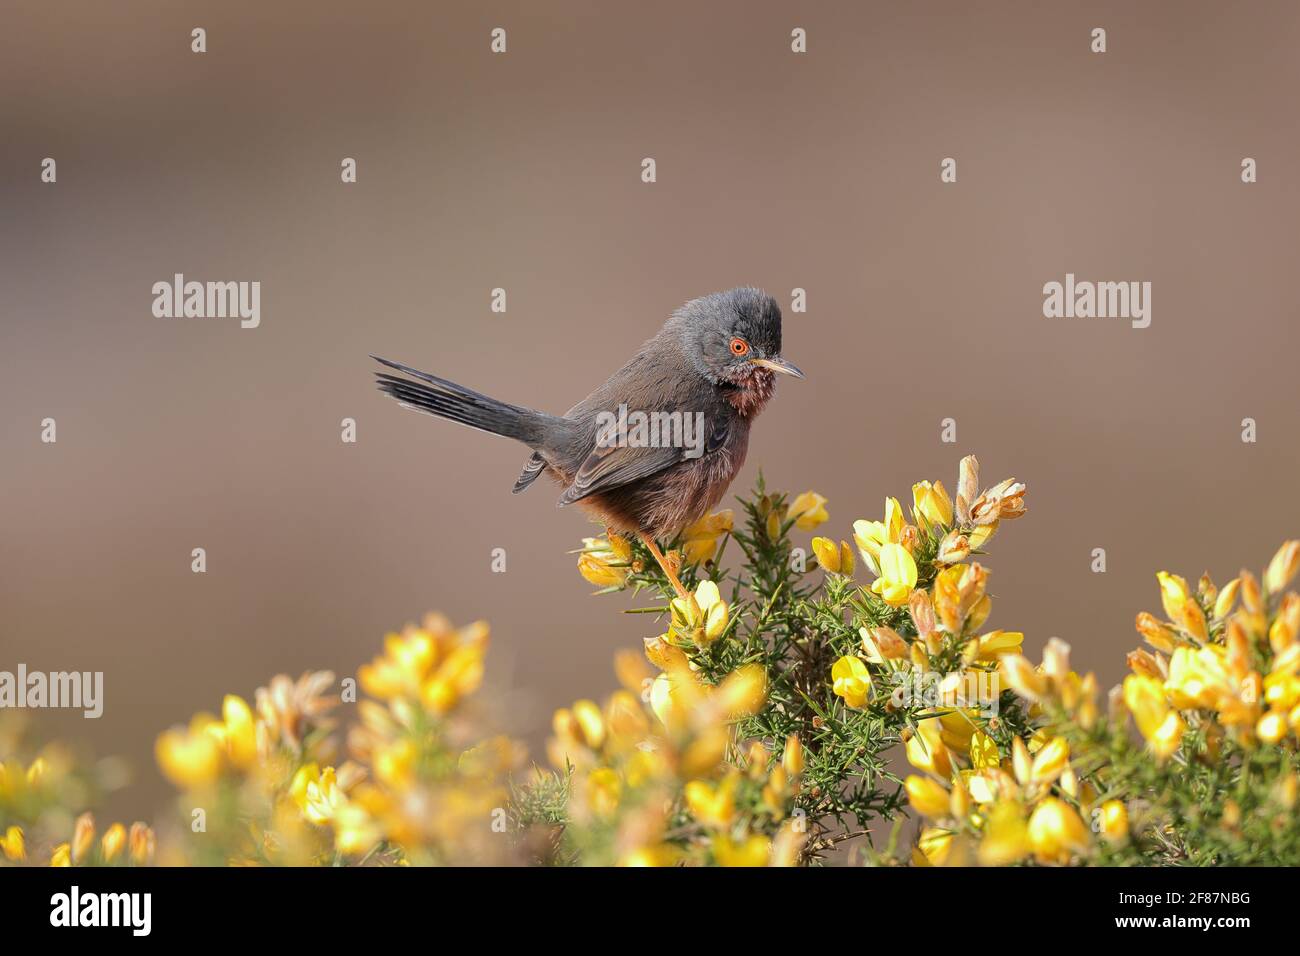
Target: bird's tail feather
x=445 y=399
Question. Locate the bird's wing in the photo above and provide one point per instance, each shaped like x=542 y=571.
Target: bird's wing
x=610 y=466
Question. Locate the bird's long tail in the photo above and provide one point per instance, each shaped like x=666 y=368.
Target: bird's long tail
x=437 y=396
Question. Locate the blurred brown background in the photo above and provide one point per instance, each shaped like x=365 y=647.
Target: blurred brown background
x=818 y=171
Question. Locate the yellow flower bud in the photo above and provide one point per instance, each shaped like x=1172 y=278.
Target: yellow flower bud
x=1113 y=821
x=1271 y=728
x=828 y=554
x=931 y=504
x=113 y=842
x=792 y=757
x=589 y=723
x=13 y=845
x=1282 y=568
x=141 y=843
x=83 y=836
x=883 y=642
x=663 y=654
x=1051 y=761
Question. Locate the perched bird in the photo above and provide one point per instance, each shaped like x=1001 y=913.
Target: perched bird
x=713 y=364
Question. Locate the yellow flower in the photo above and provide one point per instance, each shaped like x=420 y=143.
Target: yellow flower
x=1198 y=677
x=983 y=751
x=704 y=753
x=1181 y=606
x=658 y=855
x=1158 y=723
x=319 y=795
x=1006 y=837
x=1005 y=500
x=808 y=510
x=1052 y=760
x=742 y=692
x=354 y=830
x=605 y=562
x=603 y=791
x=61 y=856
x=189 y=757
x=934 y=846
x=871 y=536
x=700 y=540
x=1113 y=821
x=927 y=797
x=13 y=845
x=664 y=655
x=436 y=665
x=752 y=851
x=661 y=702
x=897 y=575
x=994 y=645
x=959 y=599
x=931 y=504
x=1022 y=677
x=954 y=548
x=626 y=724
x=851 y=681
x=1056 y=832
x=236 y=732
x=712 y=805
x=703 y=617
x=926 y=749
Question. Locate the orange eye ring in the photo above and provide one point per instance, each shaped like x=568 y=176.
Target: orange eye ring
x=739 y=347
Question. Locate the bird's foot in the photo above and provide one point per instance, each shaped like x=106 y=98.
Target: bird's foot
x=667 y=566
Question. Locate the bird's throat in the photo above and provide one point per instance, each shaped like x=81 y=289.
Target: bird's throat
x=750 y=393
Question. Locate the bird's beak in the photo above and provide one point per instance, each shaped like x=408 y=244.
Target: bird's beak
x=778 y=364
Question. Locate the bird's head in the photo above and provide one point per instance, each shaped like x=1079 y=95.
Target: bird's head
x=734 y=340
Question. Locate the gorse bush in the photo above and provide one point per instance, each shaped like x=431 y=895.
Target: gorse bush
x=771 y=719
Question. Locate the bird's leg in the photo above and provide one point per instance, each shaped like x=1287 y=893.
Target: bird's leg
x=649 y=542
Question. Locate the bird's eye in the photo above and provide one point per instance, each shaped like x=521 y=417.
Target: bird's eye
x=739 y=347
